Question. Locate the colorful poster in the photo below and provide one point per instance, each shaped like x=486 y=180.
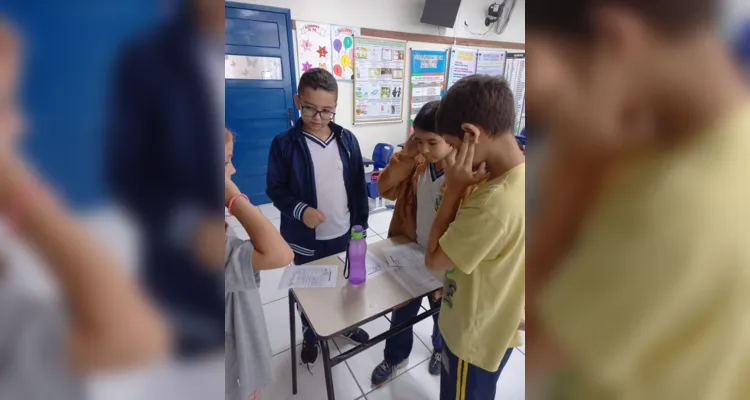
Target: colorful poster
x=313 y=46
x=378 y=79
x=427 y=79
x=342 y=43
x=463 y=63
x=515 y=74
x=491 y=62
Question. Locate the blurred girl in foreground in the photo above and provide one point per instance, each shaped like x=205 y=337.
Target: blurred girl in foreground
x=103 y=321
x=247 y=349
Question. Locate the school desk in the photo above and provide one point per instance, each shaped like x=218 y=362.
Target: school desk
x=334 y=311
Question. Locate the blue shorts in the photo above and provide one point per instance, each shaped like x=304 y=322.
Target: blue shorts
x=460 y=380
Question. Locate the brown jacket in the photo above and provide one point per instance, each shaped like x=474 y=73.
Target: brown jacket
x=398 y=181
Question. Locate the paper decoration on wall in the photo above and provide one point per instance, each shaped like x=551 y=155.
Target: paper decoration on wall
x=342 y=38
x=491 y=62
x=378 y=79
x=427 y=79
x=515 y=73
x=313 y=46
x=463 y=63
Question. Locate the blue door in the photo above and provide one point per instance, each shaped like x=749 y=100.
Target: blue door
x=260 y=85
x=69 y=49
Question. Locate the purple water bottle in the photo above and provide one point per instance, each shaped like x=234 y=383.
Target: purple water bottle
x=356 y=254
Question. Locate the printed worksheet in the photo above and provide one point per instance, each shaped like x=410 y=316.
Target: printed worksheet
x=309 y=276
x=373 y=264
x=406 y=265
x=405 y=255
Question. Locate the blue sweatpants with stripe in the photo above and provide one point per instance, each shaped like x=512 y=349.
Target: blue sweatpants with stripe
x=460 y=380
x=323 y=249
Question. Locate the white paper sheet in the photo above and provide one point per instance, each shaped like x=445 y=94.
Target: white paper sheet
x=373 y=264
x=405 y=255
x=309 y=276
x=406 y=265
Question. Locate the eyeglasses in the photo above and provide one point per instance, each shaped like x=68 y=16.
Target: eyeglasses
x=311 y=112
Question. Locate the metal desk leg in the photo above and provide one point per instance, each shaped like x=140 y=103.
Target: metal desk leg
x=292 y=334
x=327 y=368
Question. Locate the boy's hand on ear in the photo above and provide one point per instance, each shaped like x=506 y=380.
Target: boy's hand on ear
x=313 y=217
x=411 y=149
x=459 y=171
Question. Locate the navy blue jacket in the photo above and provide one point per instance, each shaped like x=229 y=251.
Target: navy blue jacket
x=163 y=157
x=290 y=183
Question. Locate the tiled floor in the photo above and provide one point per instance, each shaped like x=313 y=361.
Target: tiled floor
x=352 y=379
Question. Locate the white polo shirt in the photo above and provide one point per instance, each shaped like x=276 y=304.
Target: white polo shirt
x=329 y=186
x=429 y=198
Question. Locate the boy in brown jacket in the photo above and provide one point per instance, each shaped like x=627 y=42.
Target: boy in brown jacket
x=414 y=178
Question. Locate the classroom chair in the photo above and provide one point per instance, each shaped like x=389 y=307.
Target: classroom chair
x=381 y=155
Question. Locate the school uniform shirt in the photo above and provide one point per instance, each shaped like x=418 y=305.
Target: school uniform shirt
x=429 y=197
x=330 y=188
x=654 y=301
x=483 y=297
x=247 y=347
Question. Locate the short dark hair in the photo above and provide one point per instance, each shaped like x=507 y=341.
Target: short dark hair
x=482 y=100
x=318 y=78
x=572 y=18
x=425 y=119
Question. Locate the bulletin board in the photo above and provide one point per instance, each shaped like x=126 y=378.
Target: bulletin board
x=491 y=62
x=342 y=43
x=379 y=66
x=515 y=74
x=427 y=80
x=463 y=62
x=313 y=46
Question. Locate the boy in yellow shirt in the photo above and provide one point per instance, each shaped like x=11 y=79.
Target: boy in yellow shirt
x=483 y=250
x=641 y=276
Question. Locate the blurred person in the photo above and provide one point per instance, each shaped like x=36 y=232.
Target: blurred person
x=103 y=322
x=164 y=160
x=638 y=274
x=479 y=242
x=248 y=365
x=316 y=178
x=414 y=178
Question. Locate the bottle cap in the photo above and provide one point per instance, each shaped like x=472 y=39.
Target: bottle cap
x=358 y=232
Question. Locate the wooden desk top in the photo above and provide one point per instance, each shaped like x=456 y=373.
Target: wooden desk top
x=331 y=311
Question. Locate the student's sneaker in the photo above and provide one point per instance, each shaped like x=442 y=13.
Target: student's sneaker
x=385 y=371
x=309 y=351
x=436 y=362
x=357 y=335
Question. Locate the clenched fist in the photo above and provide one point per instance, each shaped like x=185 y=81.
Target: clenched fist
x=313 y=217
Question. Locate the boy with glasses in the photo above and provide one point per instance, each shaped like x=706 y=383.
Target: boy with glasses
x=316 y=179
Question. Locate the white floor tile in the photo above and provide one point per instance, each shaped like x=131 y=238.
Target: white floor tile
x=277 y=324
x=379 y=222
x=373 y=237
x=310 y=386
x=418 y=384
x=423 y=330
x=363 y=363
x=270 y=211
x=232 y=221
x=512 y=382
x=269 y=286
x=414 y=384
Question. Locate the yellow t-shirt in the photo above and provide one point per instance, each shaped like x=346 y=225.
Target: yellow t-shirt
x=654 y=300
x=483 y=298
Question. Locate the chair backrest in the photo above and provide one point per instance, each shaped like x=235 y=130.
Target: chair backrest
x=381 y=155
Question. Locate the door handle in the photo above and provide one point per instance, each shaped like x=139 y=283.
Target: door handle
x=291 y=117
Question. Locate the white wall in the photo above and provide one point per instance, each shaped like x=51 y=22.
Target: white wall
x=402 y=16
x=394 y=15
